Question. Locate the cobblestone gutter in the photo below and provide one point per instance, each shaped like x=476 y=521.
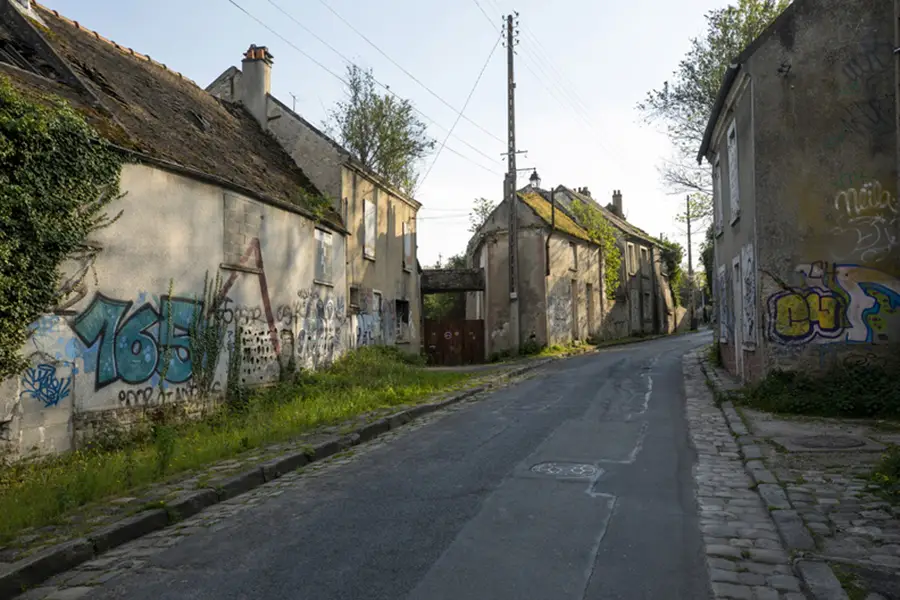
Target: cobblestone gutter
x=749 y=529
x=829 y=520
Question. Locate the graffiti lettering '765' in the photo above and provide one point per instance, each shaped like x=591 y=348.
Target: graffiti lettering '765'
x=128 y=349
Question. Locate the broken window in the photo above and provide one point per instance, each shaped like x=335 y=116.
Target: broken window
x=354 y=296
x=402 y=312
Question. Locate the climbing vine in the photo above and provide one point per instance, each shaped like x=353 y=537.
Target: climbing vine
x=56 y=177
x=604 y=235
x=672 y=255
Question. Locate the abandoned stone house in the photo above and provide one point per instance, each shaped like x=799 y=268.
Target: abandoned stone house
x=562 y=293
x=382 y=269
x=206 y=191
x=803 y=148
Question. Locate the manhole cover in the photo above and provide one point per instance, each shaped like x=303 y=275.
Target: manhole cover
x=829 y=441
x=558 y=469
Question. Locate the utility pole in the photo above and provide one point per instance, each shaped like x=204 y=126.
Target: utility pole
x=510 y=191
x=897 y=80
x=687 y=215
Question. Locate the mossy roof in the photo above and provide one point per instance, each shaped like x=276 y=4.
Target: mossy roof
x=543 y=209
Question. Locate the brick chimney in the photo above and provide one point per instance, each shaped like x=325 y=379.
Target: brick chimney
x=255 y=83
x=617 y=203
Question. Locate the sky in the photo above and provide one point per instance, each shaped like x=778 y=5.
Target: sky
x=581 y=67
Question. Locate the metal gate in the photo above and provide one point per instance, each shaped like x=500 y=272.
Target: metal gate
x=454 y=341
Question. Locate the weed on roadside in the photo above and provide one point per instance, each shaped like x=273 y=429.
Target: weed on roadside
x=886 y=476
x=863 y=391
x=38 y=493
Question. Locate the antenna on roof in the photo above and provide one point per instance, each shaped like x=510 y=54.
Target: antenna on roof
x=294 y=108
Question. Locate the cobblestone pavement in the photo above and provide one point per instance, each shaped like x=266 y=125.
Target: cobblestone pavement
x=81 y=581
x=849 y=525
x=745 y=555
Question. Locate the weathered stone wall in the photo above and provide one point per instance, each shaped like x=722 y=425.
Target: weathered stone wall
x=810 y=270
x=100 y=356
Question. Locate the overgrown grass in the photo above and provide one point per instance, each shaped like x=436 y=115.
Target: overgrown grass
x=42 y=493
x=861 y=391
x=887 y=474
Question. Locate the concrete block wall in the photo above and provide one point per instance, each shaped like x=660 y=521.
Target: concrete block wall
x=99 y=360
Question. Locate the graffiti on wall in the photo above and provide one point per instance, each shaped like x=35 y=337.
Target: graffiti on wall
x=867 y=223
x=320 y=319
x=748 y=291
x=837 y=303
x=41 y=383
x=866 y=111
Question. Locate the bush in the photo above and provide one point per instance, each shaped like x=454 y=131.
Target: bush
x=56 y=178
x=887 y=473
x=859 y=391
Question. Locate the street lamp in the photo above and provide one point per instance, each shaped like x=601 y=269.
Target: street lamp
x=535 y=180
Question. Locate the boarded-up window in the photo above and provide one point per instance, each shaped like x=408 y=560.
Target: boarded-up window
x=721 y=293
x=632 y=260
x=324 y=256
x=407 y=247
x=645 y=261
x=717 y=196
x=733 y=182
x=648 y=307
x=370 y=220
x=748 y=290
x=573 y=251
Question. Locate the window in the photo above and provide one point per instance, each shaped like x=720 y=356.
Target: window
x=733 y=182
x=631 y=259
x=717 y=196
x=407 y=247
x=648 y=307
x=354 y=296
x=324 y=256
x=573 y=248
x=645 y=261
x=402 y=312
x=370 y=231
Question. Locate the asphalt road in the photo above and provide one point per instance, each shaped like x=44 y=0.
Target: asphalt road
x=455 y=510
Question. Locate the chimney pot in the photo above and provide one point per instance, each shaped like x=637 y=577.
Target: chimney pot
x=617 y=203
x=255 y=82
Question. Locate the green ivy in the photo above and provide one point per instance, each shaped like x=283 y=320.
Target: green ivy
x=672 y=255
x=56 y=177
x=604 y=235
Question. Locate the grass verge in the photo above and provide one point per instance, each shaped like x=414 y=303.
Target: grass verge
x=39 y=493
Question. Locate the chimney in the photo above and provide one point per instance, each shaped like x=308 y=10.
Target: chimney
x=255 y=83
x=617 y=203
x=586 y=191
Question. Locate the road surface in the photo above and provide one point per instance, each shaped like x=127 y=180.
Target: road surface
x=575 y=483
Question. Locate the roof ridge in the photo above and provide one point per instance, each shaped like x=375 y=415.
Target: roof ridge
x=123 y=49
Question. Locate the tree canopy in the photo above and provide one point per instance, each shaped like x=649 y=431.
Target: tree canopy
x=380 y=130
x=684 y=103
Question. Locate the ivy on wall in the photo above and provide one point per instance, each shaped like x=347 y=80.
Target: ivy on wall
x=604 y=235
x=56 y=177
x=672 y=255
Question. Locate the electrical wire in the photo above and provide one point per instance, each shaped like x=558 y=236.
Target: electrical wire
x=387 y=88
x=410 y=75
x=465 y=105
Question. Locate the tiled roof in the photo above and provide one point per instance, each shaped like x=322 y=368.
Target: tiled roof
x=146 y=107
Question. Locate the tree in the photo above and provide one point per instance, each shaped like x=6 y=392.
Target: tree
x=685 y=104
x=381 y=131
x=481 y=210
x=673 y=255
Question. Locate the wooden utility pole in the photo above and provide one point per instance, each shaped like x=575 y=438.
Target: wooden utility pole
x=510 y=191
x=897 y=82
x=687 y=215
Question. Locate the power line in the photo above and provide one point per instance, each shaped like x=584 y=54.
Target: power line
x=465 y=105
x=387 y=88
x=486 y=16
x=410 y=75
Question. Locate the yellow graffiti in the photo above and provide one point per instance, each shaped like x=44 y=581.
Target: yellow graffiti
x=798 y=316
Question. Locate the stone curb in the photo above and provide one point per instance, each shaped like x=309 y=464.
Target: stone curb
x=816 y=575
x=33 y=570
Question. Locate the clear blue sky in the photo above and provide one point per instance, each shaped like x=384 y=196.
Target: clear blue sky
x=600 y=55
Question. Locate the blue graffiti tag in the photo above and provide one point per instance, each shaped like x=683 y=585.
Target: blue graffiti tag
x=41 y=383
x=128 y=349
